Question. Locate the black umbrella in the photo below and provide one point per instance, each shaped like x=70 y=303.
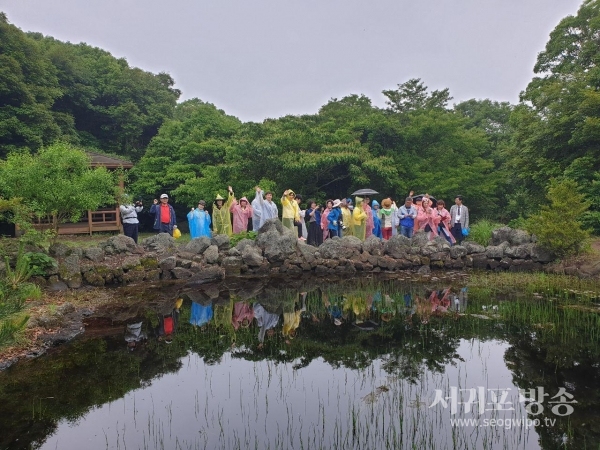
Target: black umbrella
x=420 y=197
x=365 y=192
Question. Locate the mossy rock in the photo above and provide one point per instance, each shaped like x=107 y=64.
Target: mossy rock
x=149 y=263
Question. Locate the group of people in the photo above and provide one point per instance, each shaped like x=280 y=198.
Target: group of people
x=361 y=218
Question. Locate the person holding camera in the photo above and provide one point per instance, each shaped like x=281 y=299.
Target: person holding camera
x=129 y=217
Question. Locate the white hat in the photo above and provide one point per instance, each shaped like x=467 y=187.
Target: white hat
x=164 y=196
x=337 y=202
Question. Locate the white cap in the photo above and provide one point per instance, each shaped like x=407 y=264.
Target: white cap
x=164 y=196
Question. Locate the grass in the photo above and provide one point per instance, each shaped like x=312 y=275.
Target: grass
x=481 y=231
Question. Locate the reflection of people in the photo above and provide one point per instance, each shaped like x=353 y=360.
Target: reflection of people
x=291 y=319
x=199 y=221
x=266 y=322
x=334 y=306
x=200 y=314
x=242 y=315
x=167 y=324
x=134 y=334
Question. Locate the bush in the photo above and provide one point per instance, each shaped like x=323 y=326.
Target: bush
x=39 y=263
x=481 y=231
x=558 y=226
x=243 y=235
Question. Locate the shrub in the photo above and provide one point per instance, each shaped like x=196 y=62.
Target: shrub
x=558 y=225
x=481 y=231
x=243 y=235
x=39 y=263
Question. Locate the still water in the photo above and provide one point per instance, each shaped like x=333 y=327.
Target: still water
x=348 y=365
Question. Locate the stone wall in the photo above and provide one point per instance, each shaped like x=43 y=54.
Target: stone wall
x=277 y=251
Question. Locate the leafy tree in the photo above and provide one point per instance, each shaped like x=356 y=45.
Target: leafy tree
x=28 y=88
x=558 y=224
x=56 y=182
x=413 y=96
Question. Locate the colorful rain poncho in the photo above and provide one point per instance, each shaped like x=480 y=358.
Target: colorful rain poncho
x=222 y=217
x=290 y=210
x=241 y=216
x=359 y=219
x=376 y=220
x=263 y=210
x=199 y=222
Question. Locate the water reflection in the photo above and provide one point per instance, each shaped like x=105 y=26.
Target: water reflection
x=351 y=365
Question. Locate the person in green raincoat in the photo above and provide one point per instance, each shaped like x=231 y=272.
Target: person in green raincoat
x=359 y=219
x=221 y=216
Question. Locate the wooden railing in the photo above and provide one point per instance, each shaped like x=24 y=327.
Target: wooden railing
x=104 y=219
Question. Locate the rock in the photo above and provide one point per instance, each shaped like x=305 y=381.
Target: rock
x=59 y=250
x=419 y=239
x=131 y=262
x=397 y=246
x=252 y=256
x=211 y=254
x=424 y=270
x=134 y=276
x=501 y=235
x=94 y=254
x=494 y=251
x=519 y=237
x=232 y=265
x=152 y=275
x=206 y=275
x=307 y=252
x=221 y=241
x=540 y=254
x=241 y=245
x=181 y=273
x=338 y=248
x=69 y=267
x=233 y=252
x=93 y=278
x=75 y=281
x=373 y=246
x=519 y=252
x=118 y=244
x=458 y=251
x=197 y=245
x=505 y=263
x=167 y=264
x=65 y=308
x=439 y=256
x=480 y=262
x=276 y=242
x=473 y=247
x=185 y=263
x=57 y=286
x=159 y=242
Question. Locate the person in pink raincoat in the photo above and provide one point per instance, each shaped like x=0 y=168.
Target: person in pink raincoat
x=243 y=314
x=369 y=212
x=444 y=223
x=242 y=213
x=428 y=219
x=324 y=221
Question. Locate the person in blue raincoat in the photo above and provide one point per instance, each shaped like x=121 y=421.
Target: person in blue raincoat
x=199 y=221
x=376 y=220
x=334 y=220
x=201 y=314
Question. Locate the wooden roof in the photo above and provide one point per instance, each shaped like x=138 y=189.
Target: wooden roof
x=110 y=162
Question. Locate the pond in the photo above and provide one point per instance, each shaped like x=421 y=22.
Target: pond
x=347 y=364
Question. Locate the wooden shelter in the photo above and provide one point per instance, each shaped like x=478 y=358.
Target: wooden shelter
x=103 y=219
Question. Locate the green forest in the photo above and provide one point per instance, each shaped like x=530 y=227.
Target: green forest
x=501 y=157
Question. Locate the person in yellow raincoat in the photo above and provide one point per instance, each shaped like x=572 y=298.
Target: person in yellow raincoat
x=290 y=211
x=221 y=216
x=359 y=219
x=348 y=228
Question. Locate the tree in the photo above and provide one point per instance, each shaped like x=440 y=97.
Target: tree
x=557 y=124
x=57 y=182
x=413 y=95
x=558 y=224
x=28 y=88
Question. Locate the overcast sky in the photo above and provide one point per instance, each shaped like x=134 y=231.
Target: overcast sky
x=267 y=58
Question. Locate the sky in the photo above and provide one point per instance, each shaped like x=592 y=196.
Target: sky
x=259 y=59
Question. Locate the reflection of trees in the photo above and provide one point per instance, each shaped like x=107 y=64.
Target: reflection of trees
x=554 y=358
x=91 y=372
